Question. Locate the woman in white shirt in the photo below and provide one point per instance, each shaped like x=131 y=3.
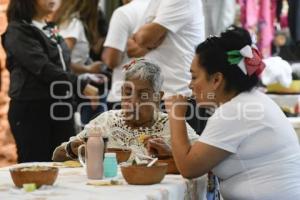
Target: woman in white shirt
x=77 y=20
x=248 y=142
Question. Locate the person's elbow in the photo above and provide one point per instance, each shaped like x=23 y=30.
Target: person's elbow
x=190 y=171
x=132 y=53
x=190 y=175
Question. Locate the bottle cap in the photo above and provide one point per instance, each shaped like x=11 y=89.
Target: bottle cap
x=110 y=155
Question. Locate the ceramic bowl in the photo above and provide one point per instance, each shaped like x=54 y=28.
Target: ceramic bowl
x=143 y=175
x=123 y=154
x=39 y=175
x=172 y=168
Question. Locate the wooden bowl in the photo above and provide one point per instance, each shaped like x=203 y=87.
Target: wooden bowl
x=143 y=175
x=39 y=175
x=172 y=168
x=123 y=154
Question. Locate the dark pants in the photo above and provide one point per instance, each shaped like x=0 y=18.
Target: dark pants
x=294 y=19
x=35 y=132
x=87 y=113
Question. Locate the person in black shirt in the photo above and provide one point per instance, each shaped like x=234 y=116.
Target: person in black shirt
x=42 y=89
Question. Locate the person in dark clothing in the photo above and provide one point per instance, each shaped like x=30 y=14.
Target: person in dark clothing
x=42 y=89
x=97 y=49
x=294 y=19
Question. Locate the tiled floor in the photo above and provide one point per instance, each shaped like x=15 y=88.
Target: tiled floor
x=7 y=146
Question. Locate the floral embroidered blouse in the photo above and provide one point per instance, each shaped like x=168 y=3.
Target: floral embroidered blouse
x=120 y=135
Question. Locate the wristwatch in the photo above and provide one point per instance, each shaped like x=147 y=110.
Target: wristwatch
x=104 y=68
x=69 y=152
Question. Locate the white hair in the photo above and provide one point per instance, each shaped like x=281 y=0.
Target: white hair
x=143 y=69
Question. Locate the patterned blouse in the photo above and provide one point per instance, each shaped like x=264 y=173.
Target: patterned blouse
x=120 y=135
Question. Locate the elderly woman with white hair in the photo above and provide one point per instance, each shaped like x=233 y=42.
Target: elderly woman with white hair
x=138 y=118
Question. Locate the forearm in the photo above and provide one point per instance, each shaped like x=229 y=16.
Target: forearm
x=150 y=36
x=180 y=142
x=67 y=150
x=192 y=160
x=79 y=69
x=137 y=53
x=112 y=57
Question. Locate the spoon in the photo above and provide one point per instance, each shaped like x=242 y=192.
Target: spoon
x=144 y=156
x=152 y=162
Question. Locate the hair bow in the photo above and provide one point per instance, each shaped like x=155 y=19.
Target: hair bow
x=133 y=62
x=248 y=59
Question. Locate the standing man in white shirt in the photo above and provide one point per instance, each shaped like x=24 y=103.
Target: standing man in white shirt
x=172 y=29
x=124 y=22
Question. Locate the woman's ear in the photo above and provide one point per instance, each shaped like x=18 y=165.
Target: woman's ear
x=217 y=80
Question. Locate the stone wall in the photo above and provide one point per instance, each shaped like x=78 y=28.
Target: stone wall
x=7 y=146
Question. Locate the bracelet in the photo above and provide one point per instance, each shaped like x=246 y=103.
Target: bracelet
x=105 y=69
x=69 y=152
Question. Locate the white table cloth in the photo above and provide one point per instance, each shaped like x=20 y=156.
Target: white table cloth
x=290 y=100
x=71 y=184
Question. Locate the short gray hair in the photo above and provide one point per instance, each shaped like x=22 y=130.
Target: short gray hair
x=144 y=69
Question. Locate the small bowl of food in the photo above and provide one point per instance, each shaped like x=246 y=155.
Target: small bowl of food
x=123 y=154
x=143 y=175
x=38 y=175
x=172 y=168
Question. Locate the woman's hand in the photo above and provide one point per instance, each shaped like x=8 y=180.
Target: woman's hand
x=75 y=145
x=134 y=50
x=95 y=67
x=92 y=93
x=158 y=147
x=176 y=106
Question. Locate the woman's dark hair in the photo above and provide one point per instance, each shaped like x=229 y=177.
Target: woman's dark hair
x=213 y=57
x=85 y=10
x=19 y=10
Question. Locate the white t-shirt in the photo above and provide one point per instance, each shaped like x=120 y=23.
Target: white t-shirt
x=75 y=29
x=185 y=23
x=265 y=159
x=124 y=22
x=219 y=15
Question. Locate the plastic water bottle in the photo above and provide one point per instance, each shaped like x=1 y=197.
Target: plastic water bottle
x=110 y=165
